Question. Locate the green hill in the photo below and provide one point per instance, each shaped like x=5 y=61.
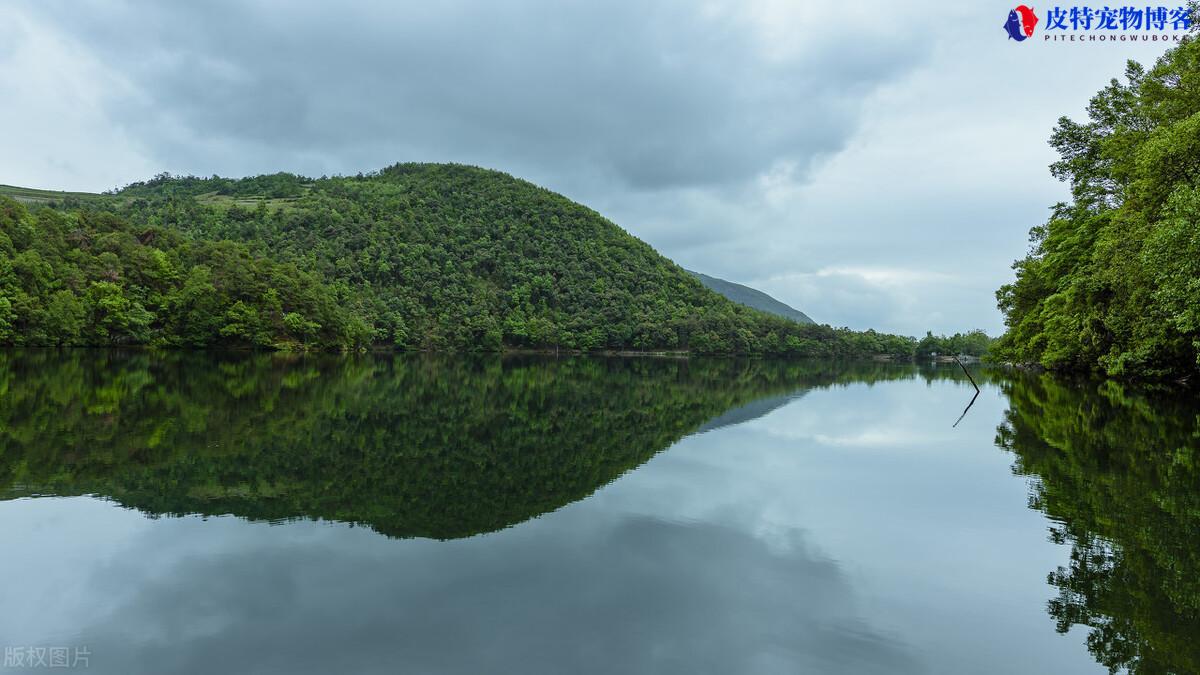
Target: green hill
x=751 y=297
x=416 y=256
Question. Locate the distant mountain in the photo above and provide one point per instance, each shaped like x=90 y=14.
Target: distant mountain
x=752 y=297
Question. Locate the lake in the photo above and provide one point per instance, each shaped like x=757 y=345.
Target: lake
x=206 y=513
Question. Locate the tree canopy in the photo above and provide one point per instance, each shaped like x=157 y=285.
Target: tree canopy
x=415 y=256
x=1112 y=282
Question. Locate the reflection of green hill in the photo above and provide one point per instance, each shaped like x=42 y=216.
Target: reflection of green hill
x=1120 y=475
x=408 y=445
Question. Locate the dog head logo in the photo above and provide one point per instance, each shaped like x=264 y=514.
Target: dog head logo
x=1021 y=21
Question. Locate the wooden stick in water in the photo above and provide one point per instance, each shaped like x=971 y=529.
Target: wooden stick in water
x=960 y=365
x=964 y=412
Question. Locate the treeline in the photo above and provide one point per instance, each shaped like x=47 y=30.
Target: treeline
x=416 y=256
x=1111 y=282
x=973 y=343
x=92 y=278
x=271 y=186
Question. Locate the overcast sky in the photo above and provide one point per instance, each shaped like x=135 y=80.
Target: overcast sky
x=877 y=164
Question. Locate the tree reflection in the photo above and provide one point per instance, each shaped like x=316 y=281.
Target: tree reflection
x=407 y=445
x=1117 y=473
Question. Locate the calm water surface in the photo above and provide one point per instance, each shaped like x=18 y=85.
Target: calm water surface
x=174 y=513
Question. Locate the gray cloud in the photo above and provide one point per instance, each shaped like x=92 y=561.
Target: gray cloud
x=604 y=596
x=652 y=96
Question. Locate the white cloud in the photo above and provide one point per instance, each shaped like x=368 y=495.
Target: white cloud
x=57 y=133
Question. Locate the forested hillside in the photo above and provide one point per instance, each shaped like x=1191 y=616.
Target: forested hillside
x=1112 y=282
x=416 y=256
x=92 y=278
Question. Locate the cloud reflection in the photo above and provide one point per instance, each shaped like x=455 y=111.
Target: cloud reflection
x=621 y=595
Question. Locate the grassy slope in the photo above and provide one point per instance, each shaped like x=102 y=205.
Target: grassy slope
x=35 y=196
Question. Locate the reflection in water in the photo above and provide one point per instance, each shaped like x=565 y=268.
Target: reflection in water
x=410 y=446
x=438 y=448
x=1118 y=474
x=634 y=596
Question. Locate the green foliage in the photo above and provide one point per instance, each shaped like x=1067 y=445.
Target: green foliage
x=93 y=277
x=974 y=343
x=1118 y=473
x=1111 y=281
x=7 y=318
x=416 y=256
x=407 y=444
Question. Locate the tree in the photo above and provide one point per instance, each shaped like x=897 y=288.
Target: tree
x=114 y=317
x=242 y=323
x=64 y=318
x=1109 y=283
x=7 y=317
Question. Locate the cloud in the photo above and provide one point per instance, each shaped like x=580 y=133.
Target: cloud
x=649 y=96
x=57 y=134
x=753 y=140
x=658 y=597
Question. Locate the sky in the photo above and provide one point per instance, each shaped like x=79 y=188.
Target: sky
x=873 y=164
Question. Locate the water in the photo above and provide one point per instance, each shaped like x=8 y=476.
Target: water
x=199 y=513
